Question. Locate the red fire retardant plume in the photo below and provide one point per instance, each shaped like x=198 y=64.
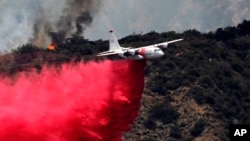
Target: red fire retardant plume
x=78 y=102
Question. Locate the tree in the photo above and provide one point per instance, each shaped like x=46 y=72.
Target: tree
x=244 y=27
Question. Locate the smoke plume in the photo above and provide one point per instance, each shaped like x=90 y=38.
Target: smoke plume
x=78 y=15
x=142 y=16
x=79 y=102
x=41 y=22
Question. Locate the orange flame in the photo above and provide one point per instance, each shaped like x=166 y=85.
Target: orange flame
x=52 y=46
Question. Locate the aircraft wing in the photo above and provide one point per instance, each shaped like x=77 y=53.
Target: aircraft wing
x=165 y=44
x=106 y=53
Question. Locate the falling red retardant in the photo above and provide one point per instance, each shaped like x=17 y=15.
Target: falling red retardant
x=78 y=102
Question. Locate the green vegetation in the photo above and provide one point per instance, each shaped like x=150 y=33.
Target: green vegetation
x=164 y=113
x=175 y=132
x=198 y=128
x=214 y=66
x=149 y=140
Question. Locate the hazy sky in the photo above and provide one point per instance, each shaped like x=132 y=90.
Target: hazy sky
x=142 y=16
x=19 y=19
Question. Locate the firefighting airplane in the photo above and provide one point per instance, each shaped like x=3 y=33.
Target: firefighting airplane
x=140 y=53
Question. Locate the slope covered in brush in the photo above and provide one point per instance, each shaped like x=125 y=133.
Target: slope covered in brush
x=199 y=87
x=196 y=90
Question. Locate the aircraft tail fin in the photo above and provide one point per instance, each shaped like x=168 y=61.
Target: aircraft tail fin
x=113 y=42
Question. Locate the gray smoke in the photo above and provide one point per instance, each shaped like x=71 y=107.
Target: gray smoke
x=210 y=14
x=142 y=16
x=41 y=22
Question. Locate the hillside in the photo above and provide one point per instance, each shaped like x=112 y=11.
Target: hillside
x=199 y=88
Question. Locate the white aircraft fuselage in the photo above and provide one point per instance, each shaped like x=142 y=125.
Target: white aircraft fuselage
x=140 y=53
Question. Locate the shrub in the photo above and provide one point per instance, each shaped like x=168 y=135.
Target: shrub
x=164 y=113
x=175 y=132
x=198 y=128
x=150 y=124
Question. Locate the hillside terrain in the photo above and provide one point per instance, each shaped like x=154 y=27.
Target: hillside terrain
x=199 y=88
